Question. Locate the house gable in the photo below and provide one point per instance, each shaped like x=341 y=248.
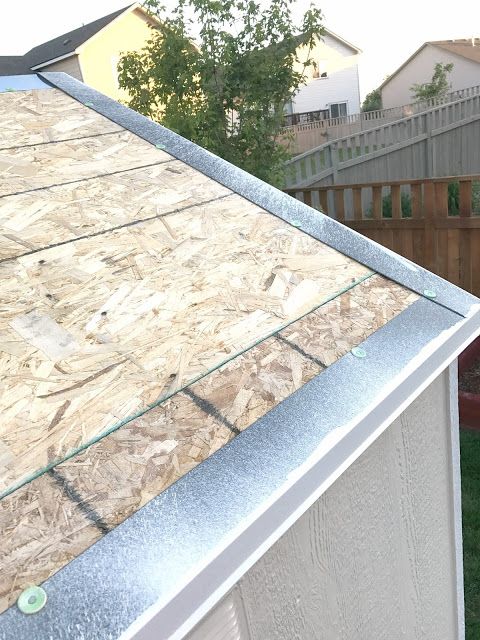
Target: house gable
x=396 y=90
x=334 y=79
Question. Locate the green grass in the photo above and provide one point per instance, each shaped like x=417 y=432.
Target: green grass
x=470 y=460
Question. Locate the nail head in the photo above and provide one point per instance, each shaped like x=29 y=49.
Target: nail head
x=359 y=352
x=32 y=600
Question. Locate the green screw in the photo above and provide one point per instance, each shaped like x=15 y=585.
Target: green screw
x=359 y=352
x=32 y=600
x=429 y=293
x=88 y=104
x=296 y=223
x=160 y=146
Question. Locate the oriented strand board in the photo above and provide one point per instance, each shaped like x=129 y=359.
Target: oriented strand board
x=34 y=220
x=47 y=115
x=116 y=476
x=358 y=315
x=36 y=524
x=141 y=312
x=26 y=168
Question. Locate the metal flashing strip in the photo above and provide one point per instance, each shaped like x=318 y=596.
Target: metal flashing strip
x=157 y=574
x=22 y=83
x=273 y=200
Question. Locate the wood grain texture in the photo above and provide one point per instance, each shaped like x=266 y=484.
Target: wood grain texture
x=373 y=557
x=47 y=115
x=26 y=168
x=127 y=468
x=150 y=307
x=31 y=549
x=35 y=220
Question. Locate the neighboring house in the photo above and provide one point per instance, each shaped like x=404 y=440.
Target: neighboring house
x=89 y=53
x=464 y=54
x=332 y=85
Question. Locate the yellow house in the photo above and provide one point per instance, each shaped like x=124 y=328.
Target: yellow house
x=91 y=52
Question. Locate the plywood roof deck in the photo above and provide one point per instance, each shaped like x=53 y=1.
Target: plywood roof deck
x=133 y=285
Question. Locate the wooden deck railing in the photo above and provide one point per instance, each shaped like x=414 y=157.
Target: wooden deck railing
x=320 y=119
x=310 y=129
x=435 y=222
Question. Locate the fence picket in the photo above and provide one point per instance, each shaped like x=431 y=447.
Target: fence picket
x=439 y=239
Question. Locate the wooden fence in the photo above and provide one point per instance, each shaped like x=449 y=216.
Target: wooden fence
x=311 y=129
x=435 y=222
x=442 y=141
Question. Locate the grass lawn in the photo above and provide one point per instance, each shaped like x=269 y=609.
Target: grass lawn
x=470 y=460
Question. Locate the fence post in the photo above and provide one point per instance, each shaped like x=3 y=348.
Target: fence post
x=333 y=149
x=429 y=148
x=466 y=236
x=430 y=235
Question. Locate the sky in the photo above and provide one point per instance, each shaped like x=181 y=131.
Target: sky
x=387 y=32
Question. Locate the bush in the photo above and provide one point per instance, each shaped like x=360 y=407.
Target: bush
x=406 y=206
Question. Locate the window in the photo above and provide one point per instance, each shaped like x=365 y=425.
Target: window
x=320 y=69
x=338 y=109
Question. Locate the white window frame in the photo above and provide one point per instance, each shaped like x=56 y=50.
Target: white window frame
x=337 y=104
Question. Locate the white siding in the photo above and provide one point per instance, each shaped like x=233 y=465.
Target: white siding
x=341 y=85
x=465 y=73
x=378 y=556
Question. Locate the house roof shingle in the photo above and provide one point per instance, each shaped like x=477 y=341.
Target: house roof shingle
x=13 y=65
x=57 y=47
x=469 y=49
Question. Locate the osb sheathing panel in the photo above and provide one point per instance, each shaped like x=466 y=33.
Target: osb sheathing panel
x=25 y=168
x=96 y=330
x=46 y=115
x=116 y=476
x=36 y=525
x=34 y=220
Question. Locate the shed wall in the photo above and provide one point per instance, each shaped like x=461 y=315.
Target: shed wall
x=378 y=555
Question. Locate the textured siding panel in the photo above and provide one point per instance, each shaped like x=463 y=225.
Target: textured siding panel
x=225 y=622
x=374 y=557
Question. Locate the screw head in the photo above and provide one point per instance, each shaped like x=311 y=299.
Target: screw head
x=32 y=600
x=160 y=146
x=295 y=223
x=359 y=352
x=429 y=293
x=88 y=104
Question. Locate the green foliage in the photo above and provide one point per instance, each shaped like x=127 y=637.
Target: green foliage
x=373 y=101
x=228 y=93
x=470 y=462
x=437 y=87
x=405 y=203
x=453 y=198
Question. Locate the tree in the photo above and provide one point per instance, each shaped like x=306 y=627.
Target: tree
x=373 y=101
x=438 y=86
x=227 y=93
